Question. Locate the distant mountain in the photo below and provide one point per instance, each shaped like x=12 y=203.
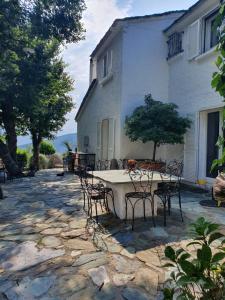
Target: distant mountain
x=58 y=142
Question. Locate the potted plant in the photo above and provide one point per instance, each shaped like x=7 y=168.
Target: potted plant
x=157 y=122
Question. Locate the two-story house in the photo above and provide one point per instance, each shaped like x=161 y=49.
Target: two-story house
x=170 y=55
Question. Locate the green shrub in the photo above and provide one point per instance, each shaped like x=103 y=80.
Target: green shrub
x=22 y=158
x=43 y=161
x=198 y=275
x=55 y=160
x=47 y=148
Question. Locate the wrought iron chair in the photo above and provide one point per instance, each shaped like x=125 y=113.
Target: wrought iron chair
x=170 y=186
x=103 y=165
x=142 y=184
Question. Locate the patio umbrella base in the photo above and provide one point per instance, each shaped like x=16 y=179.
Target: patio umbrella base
x=211 y=203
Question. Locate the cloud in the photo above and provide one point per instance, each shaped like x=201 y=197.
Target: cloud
x=97 y=18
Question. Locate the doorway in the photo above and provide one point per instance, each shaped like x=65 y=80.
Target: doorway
x=213 y=131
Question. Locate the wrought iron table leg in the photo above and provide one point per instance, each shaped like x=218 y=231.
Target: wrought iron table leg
x=181 y=213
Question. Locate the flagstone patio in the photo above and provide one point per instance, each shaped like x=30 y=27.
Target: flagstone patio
x=49 y=251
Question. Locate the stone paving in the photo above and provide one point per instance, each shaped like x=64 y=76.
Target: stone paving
x=50 y=251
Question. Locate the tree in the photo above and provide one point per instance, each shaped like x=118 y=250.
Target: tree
x=157 y=122
x=47 y=148
x=46 y=114
x=24 y=24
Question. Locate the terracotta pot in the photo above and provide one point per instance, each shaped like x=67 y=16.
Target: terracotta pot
x=131 y=164
x=219 y=188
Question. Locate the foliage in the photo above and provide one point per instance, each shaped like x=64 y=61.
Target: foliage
x=200 y=275
x=43 y=162
x=55 y=160
x=68 y=146
x=218 y=81
x=158 y=122
x=47 y=148
x=22 y=158
x=32 y=35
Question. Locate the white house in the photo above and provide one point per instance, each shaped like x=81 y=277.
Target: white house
x=170 y=55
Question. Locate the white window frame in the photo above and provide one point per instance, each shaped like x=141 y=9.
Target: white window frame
x=206 y=30
x=107 y=63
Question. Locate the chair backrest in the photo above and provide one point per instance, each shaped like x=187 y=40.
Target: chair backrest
x=103 y=165
x=172 y=174
x=142 y=180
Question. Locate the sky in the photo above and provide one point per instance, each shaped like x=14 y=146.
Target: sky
x=97 y=18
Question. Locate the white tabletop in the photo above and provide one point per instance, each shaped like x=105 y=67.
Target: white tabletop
x=122 y=176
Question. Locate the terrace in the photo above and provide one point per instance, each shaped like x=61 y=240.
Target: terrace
x=50 y=249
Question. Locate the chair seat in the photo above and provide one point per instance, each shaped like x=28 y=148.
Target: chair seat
x=97 y=196
x=138 y=195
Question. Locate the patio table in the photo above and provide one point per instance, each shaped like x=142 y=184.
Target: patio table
x=119 y=181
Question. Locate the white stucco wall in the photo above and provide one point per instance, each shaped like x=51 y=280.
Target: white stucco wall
x=103 y=103
x=144 y=71
x=190 y=88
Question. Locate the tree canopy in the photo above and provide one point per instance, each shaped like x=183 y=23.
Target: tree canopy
x=47 y=148
x=157 y=122
x=33 y=83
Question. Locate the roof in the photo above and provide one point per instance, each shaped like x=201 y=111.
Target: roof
x=91 y=87
x=117 y=21
x=187 y=13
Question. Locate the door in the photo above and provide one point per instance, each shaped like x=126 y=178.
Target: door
x=213 y=129
x=105 y=139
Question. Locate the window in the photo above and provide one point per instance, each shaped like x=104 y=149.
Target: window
x=175 y=44
x=107 y=64
x=211 y=36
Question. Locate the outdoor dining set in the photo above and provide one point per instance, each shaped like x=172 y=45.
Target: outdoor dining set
x=131 y=190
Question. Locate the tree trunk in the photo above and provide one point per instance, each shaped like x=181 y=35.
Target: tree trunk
x=8 y=119
x=36 y=141
x=154 y=151
x=9 y=163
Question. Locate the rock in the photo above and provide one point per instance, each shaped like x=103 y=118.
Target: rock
x=124 y=265
x=75 y=253
x=51 y=241
x=77 y=244
x=156 y=233
x=21 y=237
x=149 y=257
x=51 y=231
x=86 y=258
x=78 y=224
x=128 y=252
x=39 y=204
x=26 y=255
x=122 y=279
x=130 y=293
x=99 y=275
x=108 y=292
x=31 y=288
x=123 y=238
x=113 y=247
x=148 y=279
x=73 y=233
x=71 y=284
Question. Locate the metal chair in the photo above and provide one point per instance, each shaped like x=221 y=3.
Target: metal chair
x=94 y=191
x=103 y=165
x=170 y=186
x=142 y=183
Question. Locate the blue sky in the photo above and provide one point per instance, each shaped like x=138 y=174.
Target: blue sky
x=97 y=19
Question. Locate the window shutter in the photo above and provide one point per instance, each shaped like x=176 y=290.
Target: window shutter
x=194 y=39
x=111 y=148
x=99 y=140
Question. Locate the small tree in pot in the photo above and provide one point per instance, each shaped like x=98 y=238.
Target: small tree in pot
x=157 y=122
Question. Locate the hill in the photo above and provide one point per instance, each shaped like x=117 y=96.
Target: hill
x=58 y=142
